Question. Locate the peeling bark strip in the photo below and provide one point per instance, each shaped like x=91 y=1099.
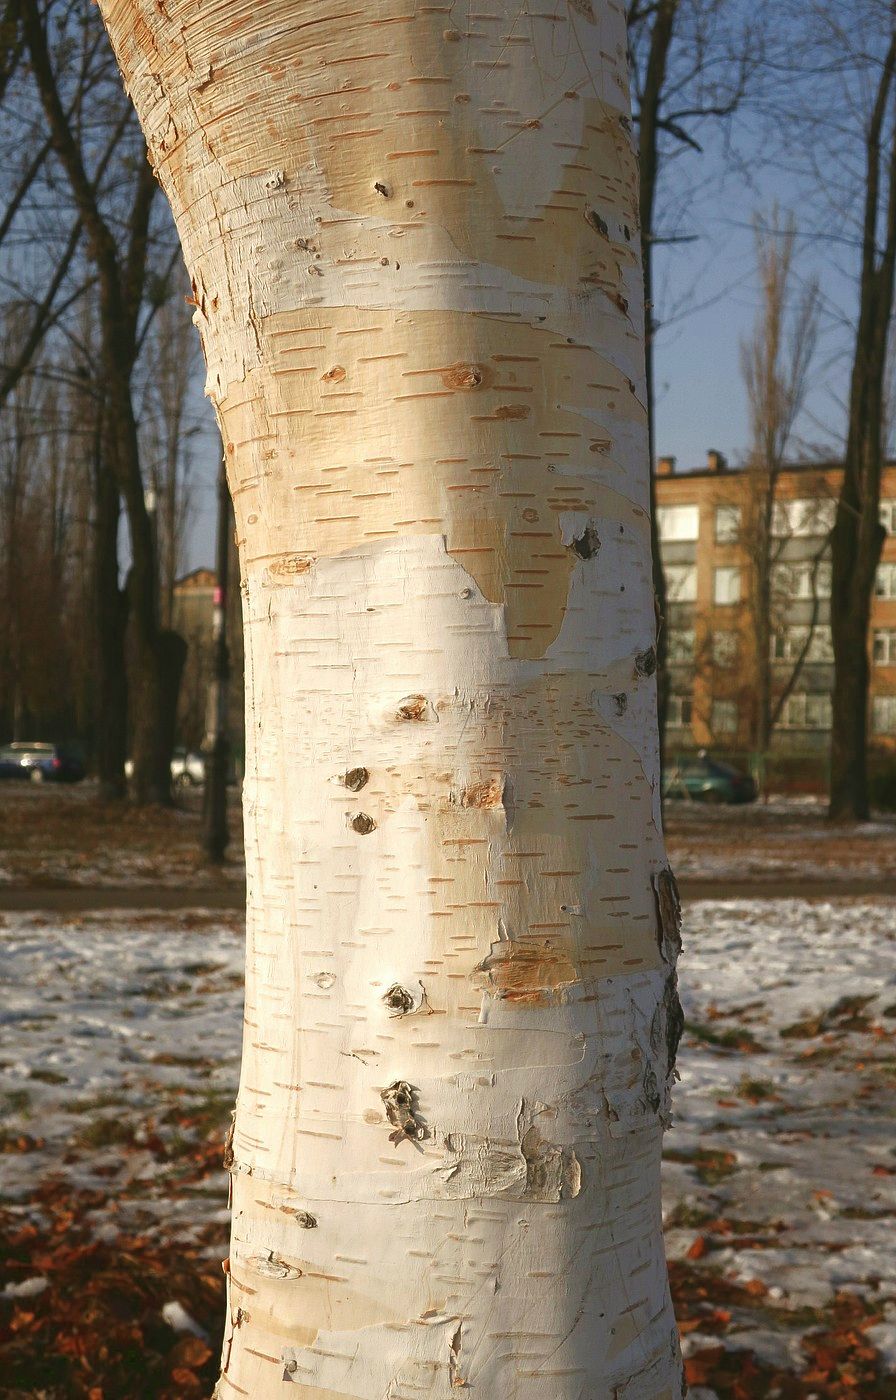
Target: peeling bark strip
x=645 y=662
x=227 y=1161
x=421 y=308
x=669 y=1020
x=668 y=915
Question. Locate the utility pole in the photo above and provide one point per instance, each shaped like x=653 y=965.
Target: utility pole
x=215 y=835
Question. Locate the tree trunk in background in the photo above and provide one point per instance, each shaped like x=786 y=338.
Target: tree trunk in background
x=110 y=615
x=414 y=252
x=648 y=167
x=858 y=536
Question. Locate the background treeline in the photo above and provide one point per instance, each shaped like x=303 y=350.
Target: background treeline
x=100 y=407
x=102 y=424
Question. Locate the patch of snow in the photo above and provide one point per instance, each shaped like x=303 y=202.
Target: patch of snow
x=883 y=1336
x=120 y=1033
x=179 y=1320
x=780 y=1350
x=28 y=1288
x=787 y=1090
x=111 y=1023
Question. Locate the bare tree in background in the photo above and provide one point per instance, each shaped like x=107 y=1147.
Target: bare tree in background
x=49 y=295
x=168 y=427
x=118 y=223
x=690 y=62
x=858 y=535
x=775 y=363
x=43 y=611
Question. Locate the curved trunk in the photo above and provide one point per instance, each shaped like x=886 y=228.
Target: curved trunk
x=414 y=253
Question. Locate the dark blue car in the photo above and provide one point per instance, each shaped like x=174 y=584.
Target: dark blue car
x=704 y=779
x=40 y=763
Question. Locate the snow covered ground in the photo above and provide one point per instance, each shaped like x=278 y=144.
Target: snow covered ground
x=781 y=1168
x=119 y=1050
x=119 y=1054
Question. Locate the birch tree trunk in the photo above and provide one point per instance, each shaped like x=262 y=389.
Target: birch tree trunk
x=413 y=238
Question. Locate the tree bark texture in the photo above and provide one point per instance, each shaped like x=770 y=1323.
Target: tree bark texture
x=413 y=240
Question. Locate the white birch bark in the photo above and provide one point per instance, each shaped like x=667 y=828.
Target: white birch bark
x=412 y=235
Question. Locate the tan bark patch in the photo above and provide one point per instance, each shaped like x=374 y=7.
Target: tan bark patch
x=416 y=709
x=288 y=565
x=528 y=972
x=463 y=376
x=392 y=455
x=489 y=793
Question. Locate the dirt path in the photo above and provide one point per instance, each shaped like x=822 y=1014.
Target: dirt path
x=74 y=899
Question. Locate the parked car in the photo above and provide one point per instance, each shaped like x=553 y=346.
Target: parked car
x=187 y=768
x=41 y=763
x=702 y=778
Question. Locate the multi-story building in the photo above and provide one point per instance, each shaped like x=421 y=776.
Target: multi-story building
x=705 y=523
x=192 y=614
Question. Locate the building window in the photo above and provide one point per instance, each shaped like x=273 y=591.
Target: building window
x=806 y=580
x=883 y=714
x=724 y=717
x=724 y=648
x=789 y=642
x=727 y=524
x=681 y=646
x=885 y=582
x=677 y=524
x=884 y=648
x=679 y=712
x=803 y=518
x=888 y=515
x=681 y=583
x=726 y=586
x=807 y=712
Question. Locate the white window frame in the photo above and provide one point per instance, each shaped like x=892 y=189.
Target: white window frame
x=678 y=524
x=727 y=523
x=793 y=582
x=726 y=654
x=788 y=642
x=679 y=712
x=804 y=517
x=804 y=710
x=731 y=573
x=885 y=580
x=888 y=514
x=677 y=593
x=681 y=647
x=729 y=725
x=883 y=714
x=883 y=646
